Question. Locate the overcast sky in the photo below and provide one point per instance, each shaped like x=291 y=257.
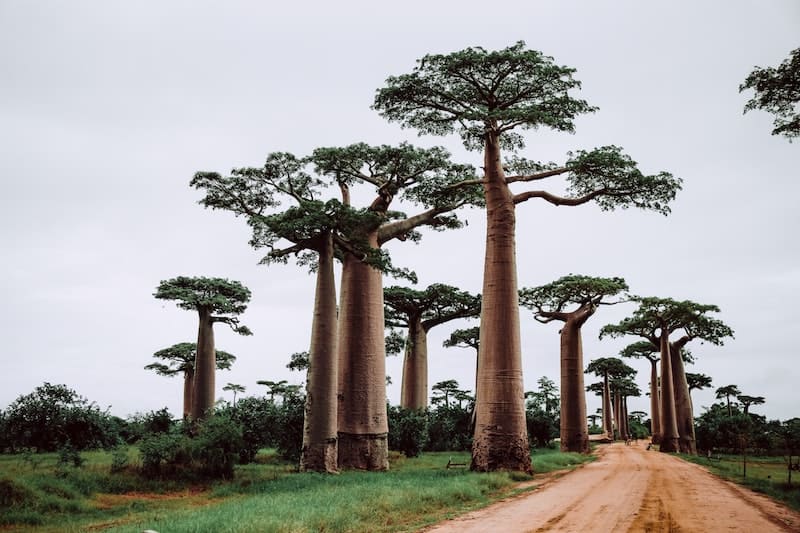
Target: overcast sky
x=108 y=108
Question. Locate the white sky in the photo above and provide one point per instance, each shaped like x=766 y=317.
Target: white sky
x=108 y=108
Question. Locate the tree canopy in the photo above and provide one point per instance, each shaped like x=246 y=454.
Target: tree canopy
x=180 y=359
x=226 y=298
x=437 y=304
x=777 y=91
x=549 y=302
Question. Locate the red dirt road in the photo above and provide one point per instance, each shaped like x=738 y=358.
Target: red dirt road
x=631 y=489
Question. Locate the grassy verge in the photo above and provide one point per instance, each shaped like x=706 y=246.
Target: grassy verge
x=766 y=475
x=264 y=497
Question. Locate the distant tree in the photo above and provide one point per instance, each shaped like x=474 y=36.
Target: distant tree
x=638 y=415
x=655 y=320
x=484 y=96
x=777 y=91
x=274 y=387
x=215 y=300
x=443 y=390
x=726 y=392
x=788 y=434
x=623 y=388
x=180 y=359
x=419 y=312
x=747 y=401
x=235 y=388
x=299 y=361
x=572 y=299
x=646 y=350
x=609 y=368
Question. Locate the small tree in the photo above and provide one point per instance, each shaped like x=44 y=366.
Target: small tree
x=235 y=388
x=215 y=300
x=726 y=392
x=777 y=91
x=609 y=368
x=180 y=359
x=572 y=300
x=747 y=401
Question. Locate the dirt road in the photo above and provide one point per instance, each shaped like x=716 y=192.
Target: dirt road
x=631 y=489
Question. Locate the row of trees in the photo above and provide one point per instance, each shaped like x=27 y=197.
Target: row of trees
x=487 y=98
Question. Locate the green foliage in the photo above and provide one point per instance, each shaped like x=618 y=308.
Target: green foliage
x=213 y=295
x=542 y=413
x=464 y=338
x=291 y=414
x=299 y=361
x=461 y=92
x=258 y=419
x=53 y=416
x=437 y=304
x=777 y=91
x=611 y=367
x=571 y=290
x=180 y=359
x=450 y=427
x=408 y=430
x=217 y=446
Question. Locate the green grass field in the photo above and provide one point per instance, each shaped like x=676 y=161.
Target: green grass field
x=767 y=475
x=38 y=495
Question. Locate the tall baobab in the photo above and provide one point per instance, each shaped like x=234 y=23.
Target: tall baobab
x=646 y=350
x=215 y=300
x=484 y=96
x=572 y=299
x=609 y=368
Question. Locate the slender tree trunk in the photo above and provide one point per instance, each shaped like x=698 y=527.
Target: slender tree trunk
x=501 y=438
x=319 y=451
x=188 y=386
x=414 y=387
x=363 y=425
x=683 y=402
x=608 y=417
x=617 y=415
x=655 y=405
x=669 y=422
x=204 y=368
x=574 y=434
x=625 y=418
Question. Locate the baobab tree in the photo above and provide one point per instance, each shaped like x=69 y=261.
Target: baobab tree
x=726 y=392
x=747 y=401
x=646 y=350
x=180 y=359
x=622 y=389
x=444 y=390
x=235 y=388
x=215 y=300
x=573 y=299
x=419 y=312
x=697 y=381
x=484 y=96
x=777 y=91
x=655 y=320
x=609 y=368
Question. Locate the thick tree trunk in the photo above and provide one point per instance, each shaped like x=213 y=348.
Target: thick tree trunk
x=319 y=452
x=669 y=422
x=501 y=438
x=363 y=425
x=574 y=434
x=608 y=416
x=204 y=368
x=655 y=405
x=683 y=403
x=414 y=387
x=625 y=421
x=617 y=416
x=188 y=386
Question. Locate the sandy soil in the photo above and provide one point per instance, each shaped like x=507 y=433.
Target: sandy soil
x=631 y=489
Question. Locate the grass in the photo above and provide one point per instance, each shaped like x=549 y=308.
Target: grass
x=766 y=475
x=264 y=497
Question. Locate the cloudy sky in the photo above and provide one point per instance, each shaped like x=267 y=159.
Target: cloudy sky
x=108 y=108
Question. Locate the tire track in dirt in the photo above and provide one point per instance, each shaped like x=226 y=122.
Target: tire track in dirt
x=631 y=489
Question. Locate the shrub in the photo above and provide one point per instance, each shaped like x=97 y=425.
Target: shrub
x=408 y=430
x=449 y=429
x=259 y=419
x=217 y=446
x=289 y=436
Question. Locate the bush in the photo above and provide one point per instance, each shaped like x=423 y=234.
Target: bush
x=449 y=429
x=542 y=427
x=258 y=418
x=289 y=424
x=408 y=430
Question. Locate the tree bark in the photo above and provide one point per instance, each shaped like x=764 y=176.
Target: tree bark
x=363 y=425
x=188 y=386
x=608 y=417
x=669 y=422
x=683 y=402
x=501 y=438
x=204 y=368
x=655 y=405
x=414 y=387
x=574 y=434
x=319 y=452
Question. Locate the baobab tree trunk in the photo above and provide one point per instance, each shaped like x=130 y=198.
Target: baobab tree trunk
x=655 y=405
x=608 y=417
x=319 y=452
x=363 y=425
x=501 y=438
x=204 y=367
x=618 y=415
x=683 y=402
x=188 y=386
x=574 y=434
x=669 y=422
x=625 y=421
x=414 y=387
